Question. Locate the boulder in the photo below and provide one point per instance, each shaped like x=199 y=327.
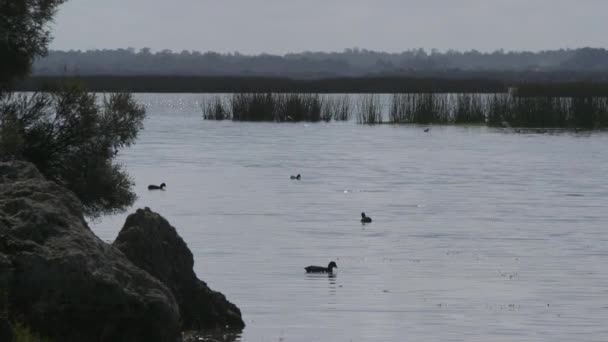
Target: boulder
x=151 y=243
x=63 y=281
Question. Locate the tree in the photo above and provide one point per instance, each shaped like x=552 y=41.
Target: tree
x=67 y=134
x=73 y=141
x=24 y=35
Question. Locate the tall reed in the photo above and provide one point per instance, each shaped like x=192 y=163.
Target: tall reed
x=337 y=108
x=420 y=108
x=369 y=109
x=468 y=108
x=504 y=110
x=548 y=111
x=215 y=109
x=276 y=107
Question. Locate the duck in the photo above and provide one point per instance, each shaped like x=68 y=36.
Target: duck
x=365 y=219
x=156 y=187
x=426 y=130
x=320 y=269
x=295 y=177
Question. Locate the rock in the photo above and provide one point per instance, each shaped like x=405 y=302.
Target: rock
x=151 y=243
x=63 y=281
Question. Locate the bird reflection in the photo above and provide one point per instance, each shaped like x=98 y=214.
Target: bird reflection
x=331 y=278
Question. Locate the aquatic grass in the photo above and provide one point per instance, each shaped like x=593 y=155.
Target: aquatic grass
x=369 y=109
x=275 y=107
x=253 y=107
x=420 y=108
x=298 y=107
x=548 y=111
x=337 y=108
x=468 y=109
x=498 y=110
x=215 y=109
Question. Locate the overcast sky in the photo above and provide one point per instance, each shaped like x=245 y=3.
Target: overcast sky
x=281 y=26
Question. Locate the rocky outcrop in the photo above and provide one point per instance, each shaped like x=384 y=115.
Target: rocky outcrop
x=151 y=243
x=65 y=283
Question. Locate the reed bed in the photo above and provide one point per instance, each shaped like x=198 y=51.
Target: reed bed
x=469 y=108
x=369 y=109
x=499 y=110
x=419 y=108
x=336 y=108
x=548 y=111
x=276 y=107
x=504 y=110
x=215 y=109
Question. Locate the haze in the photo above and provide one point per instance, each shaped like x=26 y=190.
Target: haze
x=282 y=26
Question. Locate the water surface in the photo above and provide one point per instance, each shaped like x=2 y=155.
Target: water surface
x=479 y=234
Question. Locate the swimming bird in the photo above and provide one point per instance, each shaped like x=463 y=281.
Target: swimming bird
x=365 y=219
x=427 y=130
x=321 y=269
x=295 y=177
x=156 y=187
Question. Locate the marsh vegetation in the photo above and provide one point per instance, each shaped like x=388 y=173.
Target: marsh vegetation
x=276 y=107
x=499 y=110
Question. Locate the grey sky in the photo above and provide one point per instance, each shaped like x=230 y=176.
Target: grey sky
x=280 y=26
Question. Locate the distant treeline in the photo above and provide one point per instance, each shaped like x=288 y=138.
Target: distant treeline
x=221 y=84
x=359 y=85
x=561 y=65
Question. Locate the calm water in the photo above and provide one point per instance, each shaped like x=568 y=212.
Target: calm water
x=478 y=234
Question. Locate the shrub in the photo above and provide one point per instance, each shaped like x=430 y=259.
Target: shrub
x=73 y=140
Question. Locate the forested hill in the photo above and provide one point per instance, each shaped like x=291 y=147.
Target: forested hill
x=349 y=63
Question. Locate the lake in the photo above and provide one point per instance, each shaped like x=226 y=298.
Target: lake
x=478 y=234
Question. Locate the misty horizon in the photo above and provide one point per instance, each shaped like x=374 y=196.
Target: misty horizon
x=354 y=49
x=282 y=27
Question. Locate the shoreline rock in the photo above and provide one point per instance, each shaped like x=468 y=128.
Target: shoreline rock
x=64 y=283
x=151 y=243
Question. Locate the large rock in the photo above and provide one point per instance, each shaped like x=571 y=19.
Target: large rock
x=63 y=281
x=151 y=243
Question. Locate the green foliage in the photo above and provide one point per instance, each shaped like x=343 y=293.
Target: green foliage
x=73 y=140
x=24 y=35
x=24 y=334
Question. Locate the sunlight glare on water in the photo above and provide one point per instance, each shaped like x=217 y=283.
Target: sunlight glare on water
x=478 y=234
